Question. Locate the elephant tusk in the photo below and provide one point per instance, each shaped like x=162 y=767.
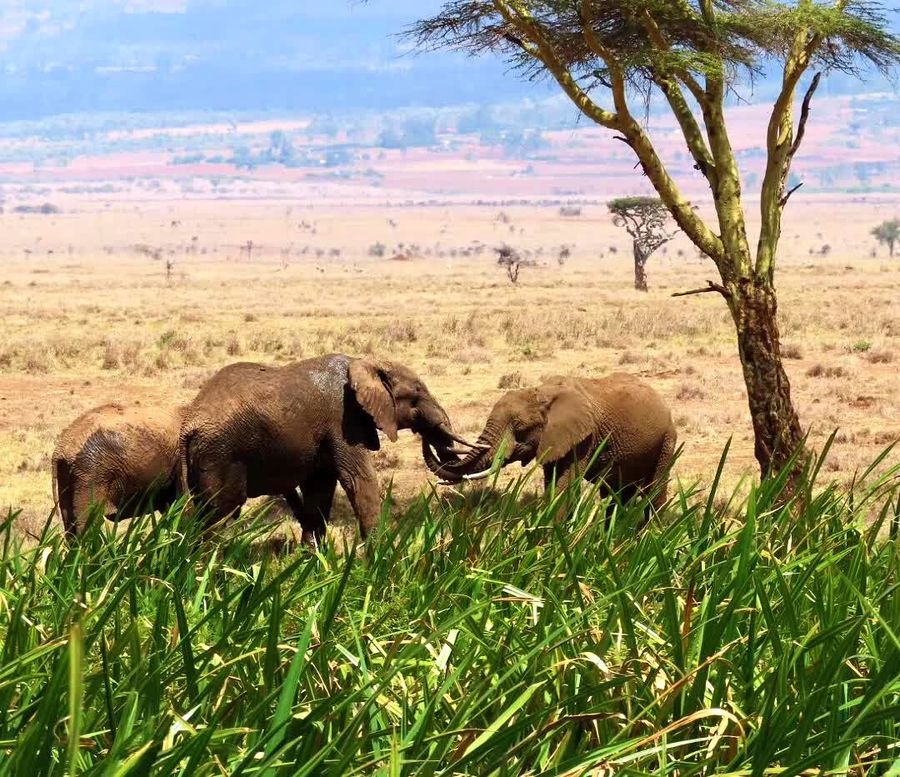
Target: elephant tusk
x=462 y=441
x=478 y=476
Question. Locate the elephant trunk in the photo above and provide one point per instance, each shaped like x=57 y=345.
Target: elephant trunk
x=440 y=444
x=476 y=464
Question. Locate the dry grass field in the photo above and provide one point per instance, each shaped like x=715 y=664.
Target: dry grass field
x=88 y=316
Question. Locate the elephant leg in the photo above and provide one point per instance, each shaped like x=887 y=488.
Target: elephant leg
x=562 y=476
x=360 y=482
x=224 y=490
x=87 y=497
x=318 y=496
x=661 y=473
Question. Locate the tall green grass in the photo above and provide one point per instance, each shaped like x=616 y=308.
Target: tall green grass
x=473 y=635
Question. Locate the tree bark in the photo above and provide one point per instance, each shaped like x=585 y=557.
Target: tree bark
x=776 y=425
x=640 y=267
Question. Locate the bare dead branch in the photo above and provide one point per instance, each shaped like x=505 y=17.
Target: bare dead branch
x=515 y=41
x=804 y=114
x=718 y=288
x=787 y=195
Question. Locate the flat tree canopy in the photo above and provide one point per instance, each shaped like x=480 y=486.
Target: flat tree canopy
x=888 y=233
x=611 y=56
x=645 y=219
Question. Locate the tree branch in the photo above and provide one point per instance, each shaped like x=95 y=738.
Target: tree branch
x=541 y=49
x=595 y=45
x=659 y=41
x=804 y=114
x=787 y=194
x=670 y=88
x=692 y=225
x=781 y=147
x=710 y=287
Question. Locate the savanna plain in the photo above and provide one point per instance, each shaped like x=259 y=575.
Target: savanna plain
x=473 y=634
x=91 y=314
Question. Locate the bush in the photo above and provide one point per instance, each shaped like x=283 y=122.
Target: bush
x=474 y=635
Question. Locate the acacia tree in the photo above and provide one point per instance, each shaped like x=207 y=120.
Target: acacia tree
x=644 y=219
x=608 y=56
x=888 y=233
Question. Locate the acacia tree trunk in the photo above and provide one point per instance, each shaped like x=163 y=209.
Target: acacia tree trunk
x=776 y=425
x=640 y=267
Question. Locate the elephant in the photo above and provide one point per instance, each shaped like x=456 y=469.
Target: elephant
x=257 y=430
x=122 y=458
x=563 y=422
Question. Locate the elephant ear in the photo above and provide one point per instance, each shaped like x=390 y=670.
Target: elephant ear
x=368 y=379
x=571 y=419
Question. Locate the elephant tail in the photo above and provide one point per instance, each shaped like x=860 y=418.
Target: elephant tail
x=663 y=467
x=183 y=480
x=64 y=493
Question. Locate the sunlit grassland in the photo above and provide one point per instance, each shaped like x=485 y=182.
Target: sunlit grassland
x=472 y=635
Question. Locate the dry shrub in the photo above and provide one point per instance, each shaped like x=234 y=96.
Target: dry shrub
x=37 y=363
x=791 y=351
x=687 y=392
x=173 y=341
x=112 y=357
x=472 y=355
x=386 y=459
x=880 y=357
x=399 y=331
x=233 y=347
x=630 y=357
x=262 y=343
x=820 y=371
x=512 y=380
x=250 y=317
x=161 y=363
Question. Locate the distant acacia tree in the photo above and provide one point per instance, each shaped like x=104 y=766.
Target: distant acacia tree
x=509 y=259
x=888 y=233
x=606 y=55
x=645 y=220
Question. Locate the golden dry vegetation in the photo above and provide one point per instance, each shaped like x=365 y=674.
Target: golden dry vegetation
x=89 y=317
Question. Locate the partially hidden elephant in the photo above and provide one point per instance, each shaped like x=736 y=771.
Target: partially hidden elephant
x=257 y=430
x=562 y=424
x=122 y=458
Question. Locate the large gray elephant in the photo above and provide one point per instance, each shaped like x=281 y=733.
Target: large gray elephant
x=255 y=430
x=563 y=422
x=123 y=459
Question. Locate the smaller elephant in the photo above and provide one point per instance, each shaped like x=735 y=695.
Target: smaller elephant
x=564 y=421
x=122 y=458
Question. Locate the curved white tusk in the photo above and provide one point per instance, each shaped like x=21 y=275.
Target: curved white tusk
x=478 y=475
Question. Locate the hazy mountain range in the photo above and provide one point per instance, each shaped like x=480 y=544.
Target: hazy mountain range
x=166 y=55
x=83 y=56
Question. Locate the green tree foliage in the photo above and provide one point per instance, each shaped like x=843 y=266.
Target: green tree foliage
x=609 y=56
